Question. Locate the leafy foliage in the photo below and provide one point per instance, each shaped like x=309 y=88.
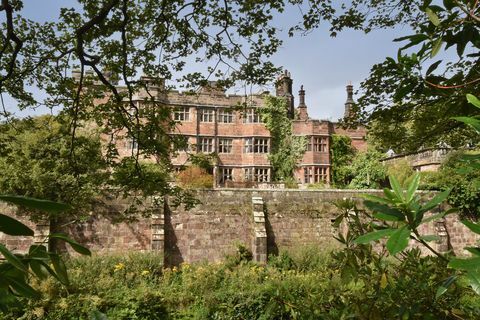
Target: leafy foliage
x=37 y=161
x=415 y=97
x=342 y=155
x=16 y=270
x=401 y=170
x=366 y=170
x=285 y=148
x=455 y=173
x=194 y=177
x=301 y=284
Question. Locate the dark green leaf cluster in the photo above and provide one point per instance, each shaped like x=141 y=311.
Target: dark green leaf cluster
x=16 y=270
x=342 y=154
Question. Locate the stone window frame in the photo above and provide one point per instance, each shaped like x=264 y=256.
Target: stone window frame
x=257 y=174
x=181 y=114
x=225 y=116
x=206 y=144
x=309 y=143
x=262 y=174
x=320 y=174
x=307 y=174
x=319 y=144
x=226 y=174
x=207 y=115
x=251 y=116
x=256 y=145
x=315 y=174
x=225 y=145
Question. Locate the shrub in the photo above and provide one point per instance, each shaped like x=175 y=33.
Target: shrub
x=302 y=284
x=195 y=177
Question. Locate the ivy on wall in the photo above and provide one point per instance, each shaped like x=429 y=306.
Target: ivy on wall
x=285 y=148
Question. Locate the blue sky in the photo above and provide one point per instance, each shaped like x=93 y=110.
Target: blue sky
x=324 y=65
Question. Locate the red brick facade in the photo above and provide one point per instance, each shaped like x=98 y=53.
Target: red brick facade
x=212 y=122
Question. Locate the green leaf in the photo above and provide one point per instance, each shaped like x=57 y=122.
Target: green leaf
x=60 y=268
x=398 y=241
x=439 y=215
x=473 y=250
x=13 y=227
x=430 y=237
x=384 y=210
x=396 y=187
x=38 y=251
x=475 y=123
x=38 y=269
x=474 y=281
x=75 y=245
x=439 y=198
x=373 y=236
x=13 y=259
x=465 y=264
x=433 y=17
x=413 y=187
x=37 y=204
x=388 y=217
x=472 y=226
x=449 y=4
x=445 y=285
x=473 y=100
x=436 y=46
x=22 y=288
x=377 y=199
x=433 y=67
x=390 y=195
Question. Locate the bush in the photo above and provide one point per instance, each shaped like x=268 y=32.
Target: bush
x=194 y=177
x=304 y=284
x=401 y=170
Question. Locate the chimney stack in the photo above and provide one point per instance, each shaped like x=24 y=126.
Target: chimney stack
x=349 y=103
x=302 y=107
x=284 y=89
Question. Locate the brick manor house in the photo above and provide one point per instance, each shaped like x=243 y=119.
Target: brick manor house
x=211 y=124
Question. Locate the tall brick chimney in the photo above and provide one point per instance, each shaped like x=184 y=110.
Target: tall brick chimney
x=349 y=103
x=284 y=89
x=302 y=107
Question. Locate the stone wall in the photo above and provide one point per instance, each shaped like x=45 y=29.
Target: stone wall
x=265 y=221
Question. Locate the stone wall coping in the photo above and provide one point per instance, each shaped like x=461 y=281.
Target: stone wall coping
x=359 y=191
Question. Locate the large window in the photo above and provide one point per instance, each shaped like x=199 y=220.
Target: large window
x=225 y=145
x=320 y=144
x=257 y=174
x=256 y=145
x=320 y=174
x=315 y=174
x=205 y=145
x=182 y=114
x=225 y=116
x=226 y=174
x=251 y=116
x=207 y=115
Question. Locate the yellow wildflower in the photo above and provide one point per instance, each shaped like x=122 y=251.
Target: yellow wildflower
x=118 y=267
x=145 y=273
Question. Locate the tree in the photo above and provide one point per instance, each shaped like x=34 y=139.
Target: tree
x=112 y=42
x=412 y=96
x=367 y=170
x=35 y=161
x=342 y=154
x=285 y=148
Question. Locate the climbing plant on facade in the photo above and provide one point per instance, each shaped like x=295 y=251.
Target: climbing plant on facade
x=285 y=148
